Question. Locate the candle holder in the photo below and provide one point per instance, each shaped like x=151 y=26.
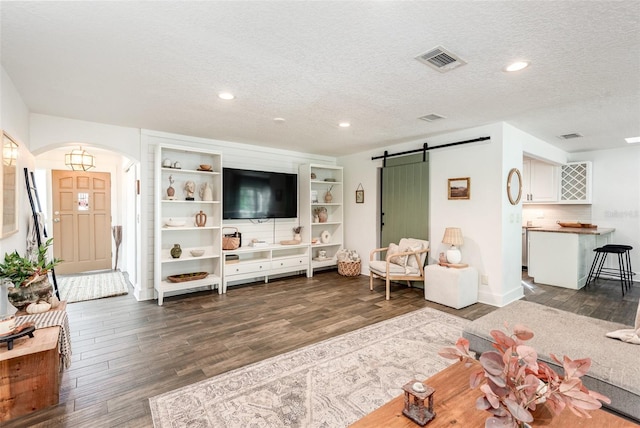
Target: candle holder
x=415 y=395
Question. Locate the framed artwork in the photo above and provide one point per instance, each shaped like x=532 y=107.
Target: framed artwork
x=459 y=188
x=360 y=194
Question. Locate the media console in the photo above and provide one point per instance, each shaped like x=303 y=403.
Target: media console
x=265 y=261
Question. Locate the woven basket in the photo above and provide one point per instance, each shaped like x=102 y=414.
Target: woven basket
x=349 y=268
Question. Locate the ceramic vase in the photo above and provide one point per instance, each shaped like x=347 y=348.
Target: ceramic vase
x=176 y=251
x=323 y=216
x=328 y=197
x=201 y=219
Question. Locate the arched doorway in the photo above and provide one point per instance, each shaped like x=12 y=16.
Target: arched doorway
x=124 y=205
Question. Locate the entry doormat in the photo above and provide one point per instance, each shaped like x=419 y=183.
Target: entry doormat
x=329 y=384
x=92 y=286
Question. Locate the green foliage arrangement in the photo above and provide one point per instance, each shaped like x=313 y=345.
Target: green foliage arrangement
x=21 y=271
x=514 y=381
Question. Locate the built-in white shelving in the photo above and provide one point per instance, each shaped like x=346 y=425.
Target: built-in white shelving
x=315 y=180
x=178 y=210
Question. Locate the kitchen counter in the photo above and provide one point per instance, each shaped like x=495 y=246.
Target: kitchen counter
x=562 y=256
x=578 y=230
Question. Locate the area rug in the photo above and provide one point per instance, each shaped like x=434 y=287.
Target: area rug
x=92 y=286
x=327 y=385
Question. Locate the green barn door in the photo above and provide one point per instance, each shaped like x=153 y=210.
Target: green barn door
x=405 y=199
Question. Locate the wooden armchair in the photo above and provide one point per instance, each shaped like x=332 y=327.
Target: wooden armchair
x=403 y=262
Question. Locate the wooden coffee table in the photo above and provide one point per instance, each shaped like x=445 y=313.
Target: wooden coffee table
x=454 y=405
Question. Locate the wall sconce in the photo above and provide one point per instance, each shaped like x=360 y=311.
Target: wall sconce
x=9 y=152
x=79 y=160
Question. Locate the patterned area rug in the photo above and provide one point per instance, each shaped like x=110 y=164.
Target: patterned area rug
x=92 y=286
x=327 y=385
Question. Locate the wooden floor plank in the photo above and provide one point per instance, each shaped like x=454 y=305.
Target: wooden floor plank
x=126 y=351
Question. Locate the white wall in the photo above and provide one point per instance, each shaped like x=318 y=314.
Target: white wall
x=14 y=119
x=49 y=132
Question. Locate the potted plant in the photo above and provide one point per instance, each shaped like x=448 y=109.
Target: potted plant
x=514 y=382
x=29 y=276
x=296 y=233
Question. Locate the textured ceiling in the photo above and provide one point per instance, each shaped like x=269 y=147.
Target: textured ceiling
x=159 y=65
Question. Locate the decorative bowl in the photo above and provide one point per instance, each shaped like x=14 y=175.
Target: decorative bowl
x=175 y=223
x=205 y=167
x=196 y=253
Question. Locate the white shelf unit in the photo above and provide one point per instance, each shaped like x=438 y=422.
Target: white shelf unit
x=575 y=183
x=189 y=236
x=258 y=262
x=324 y=177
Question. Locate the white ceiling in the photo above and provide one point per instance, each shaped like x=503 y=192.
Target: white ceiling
x=159 y=65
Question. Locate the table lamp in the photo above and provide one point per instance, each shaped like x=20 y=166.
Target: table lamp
x=453 y=236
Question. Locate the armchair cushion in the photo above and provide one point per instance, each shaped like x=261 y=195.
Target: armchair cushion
x=380 y=268
x=411 y=244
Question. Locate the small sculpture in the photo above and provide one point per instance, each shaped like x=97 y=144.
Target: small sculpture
x=190 y=188
x=170 y=190
x=201 y=219
x=205 y=192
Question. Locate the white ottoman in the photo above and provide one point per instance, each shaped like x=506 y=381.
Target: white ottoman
x=451 y=287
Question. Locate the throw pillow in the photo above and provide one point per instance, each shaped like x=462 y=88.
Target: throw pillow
x=412 y=262
x=398 y=260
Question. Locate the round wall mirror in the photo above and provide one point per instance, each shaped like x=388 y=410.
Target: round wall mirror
x=514 y=186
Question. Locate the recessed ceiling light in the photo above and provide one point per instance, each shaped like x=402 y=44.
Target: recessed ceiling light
x=226 y=96
x=517 y=66
x=278 y=119
x=632 y=140
x=344 y=124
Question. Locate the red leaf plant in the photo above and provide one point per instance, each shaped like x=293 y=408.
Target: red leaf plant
x=515 y=381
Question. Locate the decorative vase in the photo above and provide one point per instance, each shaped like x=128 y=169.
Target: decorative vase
x=176 y=251
x=323 y=216
x=328 y=197
x=201 y=219
x=171 y=192
x=316 y=219
x=297 y=237
x=39 y=290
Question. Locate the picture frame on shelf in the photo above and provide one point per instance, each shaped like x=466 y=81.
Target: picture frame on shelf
x=459 y=188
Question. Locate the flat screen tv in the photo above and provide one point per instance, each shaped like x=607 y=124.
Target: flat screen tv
x=249 y=194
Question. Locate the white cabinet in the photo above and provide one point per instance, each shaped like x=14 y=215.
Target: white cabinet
x=540 y=181
x=575 y=183
x=258 y=262
x=327 y=236
x=193 y=223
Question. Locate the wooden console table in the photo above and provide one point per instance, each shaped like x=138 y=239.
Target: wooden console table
x=454 y=405
x=30 y=373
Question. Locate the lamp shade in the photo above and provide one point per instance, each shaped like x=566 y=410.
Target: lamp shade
x=79 y=160
x=452 y=236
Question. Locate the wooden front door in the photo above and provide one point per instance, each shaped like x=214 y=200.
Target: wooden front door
x=81 y=220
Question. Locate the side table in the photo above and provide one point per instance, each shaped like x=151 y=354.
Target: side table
x=453 y=287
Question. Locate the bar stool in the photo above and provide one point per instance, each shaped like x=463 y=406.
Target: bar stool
x=623 y=272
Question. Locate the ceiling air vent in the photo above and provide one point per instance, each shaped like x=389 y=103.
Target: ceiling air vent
x=441 y=59
x=431 y=117
x=570 y=136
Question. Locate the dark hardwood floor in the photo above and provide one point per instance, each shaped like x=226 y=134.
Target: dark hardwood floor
x=126 y=351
